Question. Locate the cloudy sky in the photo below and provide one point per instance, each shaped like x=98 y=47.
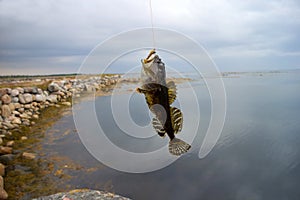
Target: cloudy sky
x=48 y=37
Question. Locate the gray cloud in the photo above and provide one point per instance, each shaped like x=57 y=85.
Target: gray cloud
x=56 y=36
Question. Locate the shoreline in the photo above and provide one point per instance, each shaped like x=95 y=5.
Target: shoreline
x=44 y=105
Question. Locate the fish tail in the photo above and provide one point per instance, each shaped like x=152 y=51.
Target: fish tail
x=178 y=147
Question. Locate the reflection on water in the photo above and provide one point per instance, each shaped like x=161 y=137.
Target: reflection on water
x=257 y=156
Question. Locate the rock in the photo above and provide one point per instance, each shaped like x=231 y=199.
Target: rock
x=6 y=159
x=32 y=123
x=6 y=99
x=53 y=87
x=52 y=98
x=27 y=98
x=32 y=90
x=10 y=143
x=3 y=91
x=21 y=110
x=15 y=100
x=3 y=193
x=27 y=106
x=29 y=155
x=16 y=120
x=1 y=119
x=24 y=138
x=1 y=141
x=5 y=150
x=16 y=113
x=40 y=91
x=11 y=106
x=66 y=103
x=2 y=169
x=17 y=105
x=14 y=92
x=5 y=111
x=21 y=98
x=40 y=98
x=24 y=116
x=35 y=116
x=83 y=194
x=21 y=90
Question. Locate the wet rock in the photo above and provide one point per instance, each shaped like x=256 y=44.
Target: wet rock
x=27 y=155
x=27 y=98
x=14 y=92
x=3 y=193
x=5 y=111
x=5 y=159
x=6 y=99
x=2 y=169
x=5 y=150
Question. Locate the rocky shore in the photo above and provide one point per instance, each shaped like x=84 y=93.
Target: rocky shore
x=21 y=106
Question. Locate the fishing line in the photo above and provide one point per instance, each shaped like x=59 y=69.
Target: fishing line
x=152 y=27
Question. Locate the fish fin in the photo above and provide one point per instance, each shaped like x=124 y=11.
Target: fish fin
x=171 y=91
x=177 y=119
x=158 y=127
x=178 y=147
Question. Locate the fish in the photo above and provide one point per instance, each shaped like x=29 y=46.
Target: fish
x=159 y=96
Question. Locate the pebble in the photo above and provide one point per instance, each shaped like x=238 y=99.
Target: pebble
x=10 y=143
x=5 y=150
x=14 y=92
x=24 y=138
x=6 y=99
x=2 y=169
x=5 y=111
x=3 y=193
x=29 y=155
x=27 y=98
x=66 y=103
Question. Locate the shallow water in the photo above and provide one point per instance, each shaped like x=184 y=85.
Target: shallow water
x=256 y=157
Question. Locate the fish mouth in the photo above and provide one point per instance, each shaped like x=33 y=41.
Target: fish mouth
x=150 y=57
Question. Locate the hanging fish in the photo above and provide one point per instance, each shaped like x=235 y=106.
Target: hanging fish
x=159 y=96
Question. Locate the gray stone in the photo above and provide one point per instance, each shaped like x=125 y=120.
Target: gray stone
x=40 y=98
x=53 y=87
x=5 y=111
x=6 y=99
x=15 y=100
x=32 y=90
x=40 y=91
x=27 y=97
x=14 y=92
x=52 y=98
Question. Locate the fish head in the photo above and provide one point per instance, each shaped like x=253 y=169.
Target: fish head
x=153 y=69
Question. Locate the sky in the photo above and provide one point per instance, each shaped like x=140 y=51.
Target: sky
x=50 y=37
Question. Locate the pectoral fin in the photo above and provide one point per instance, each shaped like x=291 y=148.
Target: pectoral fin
x=177 y=119
x=171 y=91
x=158 y=127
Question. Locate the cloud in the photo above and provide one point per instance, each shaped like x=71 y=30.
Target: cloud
x=63 y=33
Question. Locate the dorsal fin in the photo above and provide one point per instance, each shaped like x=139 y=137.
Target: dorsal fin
x=171 y=91
x=177 y=119
x=158 y=127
